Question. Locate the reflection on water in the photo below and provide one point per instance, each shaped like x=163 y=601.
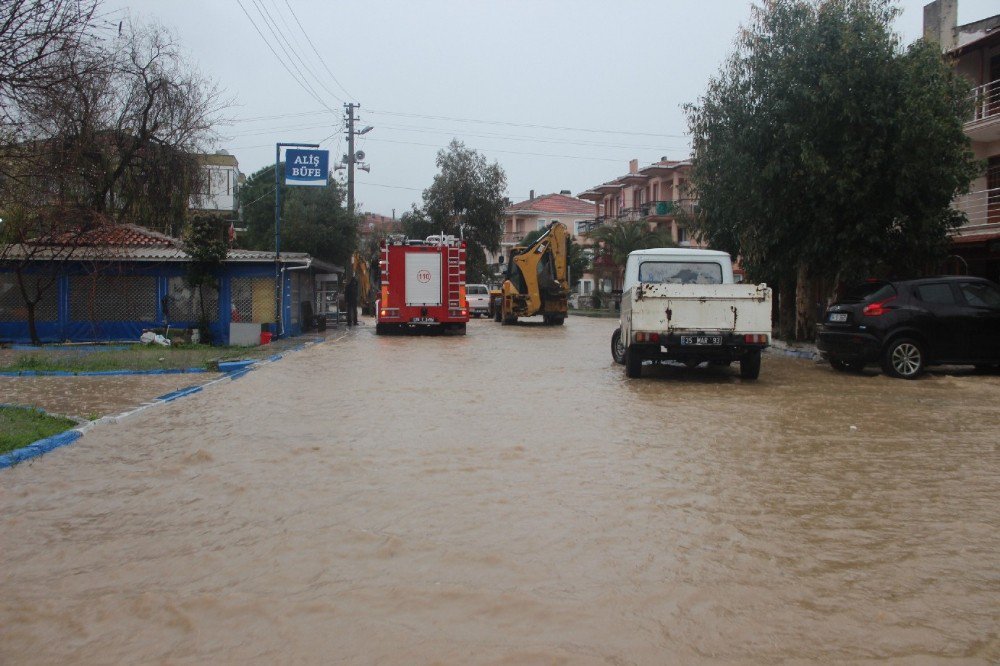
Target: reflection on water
x=509 y=497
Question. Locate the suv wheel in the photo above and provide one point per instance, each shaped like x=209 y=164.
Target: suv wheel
x=617 y=348
x=903 y=358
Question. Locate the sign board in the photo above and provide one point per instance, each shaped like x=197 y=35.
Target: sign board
x=307 y=167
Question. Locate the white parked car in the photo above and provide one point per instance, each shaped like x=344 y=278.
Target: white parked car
x=478 y=297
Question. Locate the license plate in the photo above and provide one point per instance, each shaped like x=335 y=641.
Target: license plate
x=701 y=339
x=838 y=316
x=422 y=320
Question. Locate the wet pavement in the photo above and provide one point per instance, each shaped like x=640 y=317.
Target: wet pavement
x=510 y=497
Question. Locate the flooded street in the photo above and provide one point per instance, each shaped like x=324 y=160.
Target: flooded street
x=510 y=497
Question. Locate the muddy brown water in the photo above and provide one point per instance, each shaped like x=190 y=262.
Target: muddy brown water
x=510 y=497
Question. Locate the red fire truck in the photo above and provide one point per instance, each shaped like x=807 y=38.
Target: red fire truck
x=423 y=285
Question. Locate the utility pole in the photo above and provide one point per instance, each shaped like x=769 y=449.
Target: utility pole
x=350 y=106
x=353 y=157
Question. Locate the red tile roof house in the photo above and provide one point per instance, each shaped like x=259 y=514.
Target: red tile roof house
x=112 y=282
x=526 y=216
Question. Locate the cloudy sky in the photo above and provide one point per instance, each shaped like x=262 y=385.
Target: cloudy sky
x=561 y=93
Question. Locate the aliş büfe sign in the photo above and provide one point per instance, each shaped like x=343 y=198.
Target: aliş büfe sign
x=307 y=167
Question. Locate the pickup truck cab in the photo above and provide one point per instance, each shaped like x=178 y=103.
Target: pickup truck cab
x=478 y=297
x=681 y=304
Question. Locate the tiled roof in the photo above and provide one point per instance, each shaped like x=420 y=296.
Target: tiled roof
x=120 y=235
x=555 y=204
x=128 y=242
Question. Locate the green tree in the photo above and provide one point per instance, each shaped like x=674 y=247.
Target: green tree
x=205 y=241
x=466 y=198
x=313 y=219
x=823 y=150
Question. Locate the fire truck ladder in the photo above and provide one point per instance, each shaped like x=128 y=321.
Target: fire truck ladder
x=383 y=265
x=456 y=275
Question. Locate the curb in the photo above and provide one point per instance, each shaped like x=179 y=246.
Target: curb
x=808 y=353
x=42 y=446
x=100 y=373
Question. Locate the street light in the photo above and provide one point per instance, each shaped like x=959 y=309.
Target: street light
x=367 y=129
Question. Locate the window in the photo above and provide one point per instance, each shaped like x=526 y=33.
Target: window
x=112 y=298
x=980 y=294
x=12 y=306
x=542 y=225
x=586 y=286
x=580 y=227
x=682 y=235
x=679 y=272
x=939 y=292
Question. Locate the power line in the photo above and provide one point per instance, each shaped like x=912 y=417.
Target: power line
x=511 y=124
x=511 y=137
x=304 y=85
x=291 y=47
x=279 y=38
x=475 y=120
x=510 y=152
x=316 y=51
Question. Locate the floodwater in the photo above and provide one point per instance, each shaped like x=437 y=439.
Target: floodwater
x=89 y=397
x=510 y=497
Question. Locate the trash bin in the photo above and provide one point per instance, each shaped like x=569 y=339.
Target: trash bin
x=265 y=337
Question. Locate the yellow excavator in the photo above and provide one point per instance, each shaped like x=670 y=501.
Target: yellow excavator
x=536 y=280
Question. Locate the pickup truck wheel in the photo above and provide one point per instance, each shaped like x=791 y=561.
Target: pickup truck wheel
x=750 y=365
x=633 y=363
x=617 y=348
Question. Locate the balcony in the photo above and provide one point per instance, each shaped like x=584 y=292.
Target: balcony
x=654 y=209
x=982 y=208
x=512 y=237
x=590 y=225
x=984 y=125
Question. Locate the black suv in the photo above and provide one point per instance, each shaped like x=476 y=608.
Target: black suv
x=909 y=324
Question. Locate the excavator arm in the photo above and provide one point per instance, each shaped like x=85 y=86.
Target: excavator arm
x=537 y=277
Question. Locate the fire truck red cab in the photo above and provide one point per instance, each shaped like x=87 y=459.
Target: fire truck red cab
x=423 y=285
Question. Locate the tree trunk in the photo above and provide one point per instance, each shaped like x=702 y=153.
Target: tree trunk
x=786 y=310
x=805 y=315
x=32 y=328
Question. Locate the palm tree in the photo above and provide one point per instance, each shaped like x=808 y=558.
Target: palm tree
x=615 y=241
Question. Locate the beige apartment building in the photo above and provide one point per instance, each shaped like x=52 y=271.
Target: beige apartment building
x=974 y=48
x=658 y=194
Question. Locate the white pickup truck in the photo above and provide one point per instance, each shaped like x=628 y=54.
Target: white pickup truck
x=680 y=304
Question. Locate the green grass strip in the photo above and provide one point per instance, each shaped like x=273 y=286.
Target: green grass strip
x=20 y=426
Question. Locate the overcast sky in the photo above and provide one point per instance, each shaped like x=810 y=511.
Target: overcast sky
x=561 y=94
